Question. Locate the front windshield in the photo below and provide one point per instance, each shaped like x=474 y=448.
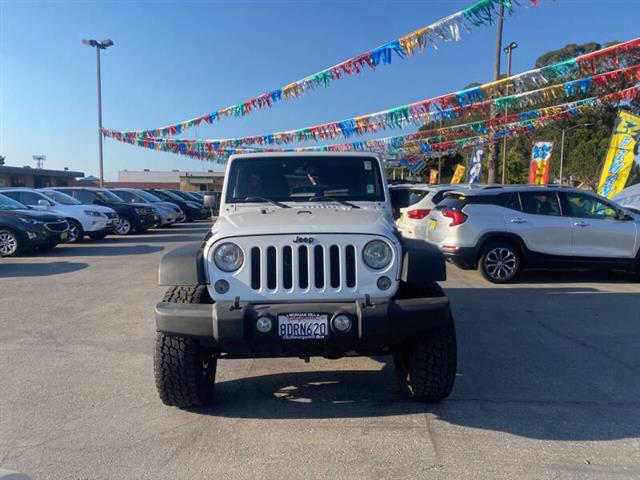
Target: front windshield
x=150 y=197
x=173 y=196
x=107 y=196
x=7 y=203
x=297 y=179
x=61 y=198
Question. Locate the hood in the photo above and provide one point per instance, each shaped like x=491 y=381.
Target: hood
x=99 y=208
x=315 y=219
x=42 y=216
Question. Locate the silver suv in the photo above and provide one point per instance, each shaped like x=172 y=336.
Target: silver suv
x=503 y=229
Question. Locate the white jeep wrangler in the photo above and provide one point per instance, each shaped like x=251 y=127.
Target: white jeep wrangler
x=304 y=260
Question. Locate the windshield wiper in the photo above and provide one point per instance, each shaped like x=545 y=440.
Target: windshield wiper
x=333 y=199
x=262 y=199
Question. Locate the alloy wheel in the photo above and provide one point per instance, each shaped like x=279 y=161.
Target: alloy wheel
x=8 y=244
x=74 y=233
x=500 y=263
x=123 y=227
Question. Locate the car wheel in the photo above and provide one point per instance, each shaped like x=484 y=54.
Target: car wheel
x=426 y=367
x=123 y=227
x=500 y=262
x=184 y=370
x=10 y=244
x=75 y=231
x=98 y=236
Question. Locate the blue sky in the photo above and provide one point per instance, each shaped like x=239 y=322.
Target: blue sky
x=174 y=61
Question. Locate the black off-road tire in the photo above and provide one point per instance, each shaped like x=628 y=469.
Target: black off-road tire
x=426 y=367
x=184 y=370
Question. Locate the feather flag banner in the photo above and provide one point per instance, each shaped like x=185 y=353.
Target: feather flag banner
x=447 y=29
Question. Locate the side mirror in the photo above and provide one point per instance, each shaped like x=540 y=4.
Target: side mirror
x=43 y=203
x=210 y=201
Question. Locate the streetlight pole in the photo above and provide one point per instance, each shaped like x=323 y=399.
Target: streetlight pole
x=508 y=50
x=562 y=144
x=492 y=159
x=103 y=45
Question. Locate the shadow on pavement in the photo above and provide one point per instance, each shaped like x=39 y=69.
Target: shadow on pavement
x=97 y=249
x=576 y=276
x=555 y=364
x=39 y=269
x=147 y=238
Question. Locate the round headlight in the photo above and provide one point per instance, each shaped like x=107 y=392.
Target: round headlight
x=377 y=254
x=228 y=257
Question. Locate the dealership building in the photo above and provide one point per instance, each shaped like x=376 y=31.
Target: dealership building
x=174 y=179
x=37 y=177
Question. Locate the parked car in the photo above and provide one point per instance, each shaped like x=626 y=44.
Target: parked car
x=502 y=230
x=132 y=217
x=414 y=216
x=169 y=213
x=303 y=265
x=94 y=221
x=188 y=196
x=192 y=210
x=22 y=228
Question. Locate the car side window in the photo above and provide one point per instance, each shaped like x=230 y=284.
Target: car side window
x=540 y=203
x=585 y=206
x=514 y=203
x=84 y=196
x=126 y=196
x=30 y=198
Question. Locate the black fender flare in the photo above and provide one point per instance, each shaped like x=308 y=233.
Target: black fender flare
x=497 y=236
x=183 y=266
x=421 y=262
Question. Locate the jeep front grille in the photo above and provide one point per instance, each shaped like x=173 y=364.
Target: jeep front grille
x=287 y=267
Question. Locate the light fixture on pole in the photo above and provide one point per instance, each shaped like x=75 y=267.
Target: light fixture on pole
x=563 y=130
x=508 y=50
x=103 y=45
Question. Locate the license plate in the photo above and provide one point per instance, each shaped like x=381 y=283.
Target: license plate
x=64 y=235
x=303 y=326
x=114 y=221
x=402 y=217
x=433 y=224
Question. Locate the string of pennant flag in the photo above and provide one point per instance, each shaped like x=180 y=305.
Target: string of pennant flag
x=447 y=29
x=436 y=142
x=419 y=113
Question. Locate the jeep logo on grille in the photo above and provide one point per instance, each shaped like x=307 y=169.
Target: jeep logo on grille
x=303 y=240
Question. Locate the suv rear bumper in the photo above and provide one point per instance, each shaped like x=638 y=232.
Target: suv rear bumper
x=231 y=330
x=463 y=257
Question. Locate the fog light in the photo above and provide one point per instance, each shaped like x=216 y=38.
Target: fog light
x=342 y=323
x=221 y=286
x=384 y=283
x=264 y=324
x=31 y=235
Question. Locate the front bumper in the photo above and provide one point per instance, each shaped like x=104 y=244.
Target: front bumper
x=231 y=329
x=146 y=221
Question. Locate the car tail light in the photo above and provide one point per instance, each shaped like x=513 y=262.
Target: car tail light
x=418 y=214
x=457 y=216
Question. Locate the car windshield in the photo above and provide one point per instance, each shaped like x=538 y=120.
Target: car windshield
x=295 y=179
x=150 y=197
x=107 y=196
x=7 y=203
x=61 y=198
x=173 y=196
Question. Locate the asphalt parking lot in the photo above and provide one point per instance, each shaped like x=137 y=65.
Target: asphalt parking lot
x=548 y=384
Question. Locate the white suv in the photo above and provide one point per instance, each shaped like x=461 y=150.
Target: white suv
x=92 y=220
x=420 y=200
x=304 y=260
x=504 y=229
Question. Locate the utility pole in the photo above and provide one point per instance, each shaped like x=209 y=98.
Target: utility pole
x=508 y=50
x=493 y=153
x=39 y=159
x=103 y=45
